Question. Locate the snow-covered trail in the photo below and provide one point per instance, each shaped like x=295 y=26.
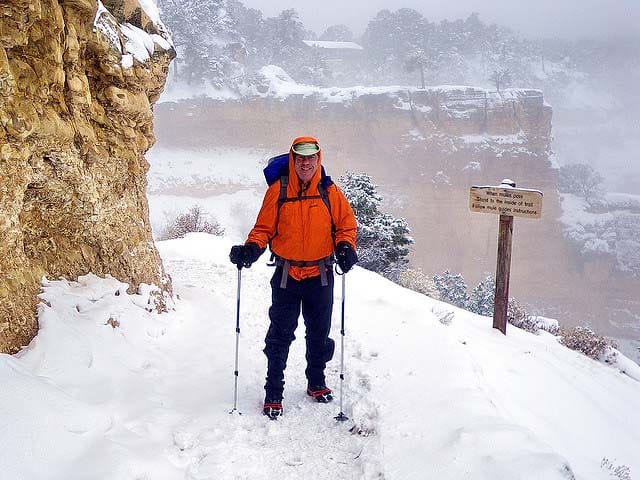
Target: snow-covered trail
x=108 y=390
x=138 y=395
x=306 y=442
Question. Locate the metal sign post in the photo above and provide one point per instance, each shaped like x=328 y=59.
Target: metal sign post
x=507 y=201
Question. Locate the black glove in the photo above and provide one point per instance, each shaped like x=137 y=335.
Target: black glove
x=245 y=255
x=346 y=256
x=252 y=253
x=236 y=255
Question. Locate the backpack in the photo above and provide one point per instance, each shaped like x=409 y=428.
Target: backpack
x=278 y=169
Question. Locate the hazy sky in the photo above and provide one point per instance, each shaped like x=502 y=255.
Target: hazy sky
x=561 y=18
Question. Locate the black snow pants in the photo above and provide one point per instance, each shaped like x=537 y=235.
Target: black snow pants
x=316 y=303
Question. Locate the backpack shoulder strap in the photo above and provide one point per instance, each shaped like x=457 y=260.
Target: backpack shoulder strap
x=284 y=183
x=324 y=195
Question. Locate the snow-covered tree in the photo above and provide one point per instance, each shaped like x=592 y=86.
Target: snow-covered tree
x=421 y=61
x=284 y=35
x=580 y=179
x=452 y=288
x=337 y=33
x=251 y=29
x=482 y=297
x=206 y=39
x=392 y=37
x=313 y=70
x=500 y=78
x=383 y=240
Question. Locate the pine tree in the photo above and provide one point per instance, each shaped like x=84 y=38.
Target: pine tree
x=452 y=288
x=284 y=35
x=337 y=33
x=250 y=25
x=391 y=38
x=205 y=37
x=383 y=240
x=482 y=297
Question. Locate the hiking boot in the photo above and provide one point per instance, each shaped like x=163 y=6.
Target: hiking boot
x=272 y=409
x=320 y=393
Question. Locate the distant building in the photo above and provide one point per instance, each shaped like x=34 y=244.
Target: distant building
x=336 y=54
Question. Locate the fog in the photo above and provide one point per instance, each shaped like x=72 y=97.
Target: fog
x=540 y=18
x=583 y=56
x=597 y=124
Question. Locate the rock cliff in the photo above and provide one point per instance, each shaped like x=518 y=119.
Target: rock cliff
x=78 y=79
x=425 y=148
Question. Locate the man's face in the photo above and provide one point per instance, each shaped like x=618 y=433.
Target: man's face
x=306 y=166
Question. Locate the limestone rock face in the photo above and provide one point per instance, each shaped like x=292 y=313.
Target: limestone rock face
x=424 y=148
x=76 y=96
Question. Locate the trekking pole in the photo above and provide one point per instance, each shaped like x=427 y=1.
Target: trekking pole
x=341 y=417
x=235 y=383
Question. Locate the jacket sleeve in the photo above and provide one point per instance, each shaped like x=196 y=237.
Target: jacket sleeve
x=265 y=226
x=343 y=217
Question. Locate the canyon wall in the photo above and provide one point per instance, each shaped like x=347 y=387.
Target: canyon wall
x=425 y=148
x=78 y=80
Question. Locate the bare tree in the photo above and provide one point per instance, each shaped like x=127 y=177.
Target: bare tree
x=500 y=78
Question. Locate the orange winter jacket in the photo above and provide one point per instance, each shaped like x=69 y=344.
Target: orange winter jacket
x=303 y=229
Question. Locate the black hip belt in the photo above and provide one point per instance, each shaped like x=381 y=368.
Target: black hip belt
x=322 y=263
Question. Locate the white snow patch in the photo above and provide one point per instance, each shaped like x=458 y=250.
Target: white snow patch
x=151 y=9
x=110 y=390
x=139 y=45
x=514 y=139
x=333 y=45
x=473 y=166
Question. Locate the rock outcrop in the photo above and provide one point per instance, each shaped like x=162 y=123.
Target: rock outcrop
x=425 y=148
x=78 y=80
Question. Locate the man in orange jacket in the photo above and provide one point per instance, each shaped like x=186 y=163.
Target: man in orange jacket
x=304 y=219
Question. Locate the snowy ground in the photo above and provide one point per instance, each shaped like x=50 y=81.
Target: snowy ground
x=108 y=390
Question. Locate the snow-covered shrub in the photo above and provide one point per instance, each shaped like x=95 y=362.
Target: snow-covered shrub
x=547 y=324
x=585 y=340
x=419 y=282
x=452 y=288
x=195 y=220
x=581 y=180
x=482 y=297
x=603 y=230
x=622 y=472
x=383 y=240
x=518 y=317
x=445 y=318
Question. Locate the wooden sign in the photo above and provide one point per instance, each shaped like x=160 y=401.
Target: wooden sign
x=506 y=200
